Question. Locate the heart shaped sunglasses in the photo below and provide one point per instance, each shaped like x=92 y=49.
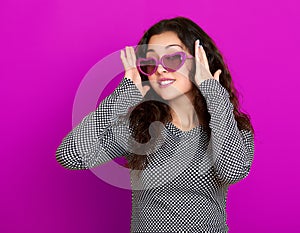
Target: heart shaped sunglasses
x=170 y=62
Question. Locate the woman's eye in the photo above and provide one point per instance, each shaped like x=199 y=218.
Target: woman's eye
x=172 y=58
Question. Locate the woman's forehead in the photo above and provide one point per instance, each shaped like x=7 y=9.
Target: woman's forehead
x=166 y=39
x=162 y=48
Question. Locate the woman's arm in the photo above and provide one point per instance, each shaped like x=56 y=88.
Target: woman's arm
x=232 y=149
x=102 y=135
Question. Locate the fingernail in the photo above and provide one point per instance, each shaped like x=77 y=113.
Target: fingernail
x=199 y=44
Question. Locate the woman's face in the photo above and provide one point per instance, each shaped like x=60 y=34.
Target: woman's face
x=169 y=85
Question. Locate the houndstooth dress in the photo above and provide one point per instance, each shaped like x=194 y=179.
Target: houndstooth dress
x=184 y=186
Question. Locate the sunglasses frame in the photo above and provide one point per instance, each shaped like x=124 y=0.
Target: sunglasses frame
x=158 y=62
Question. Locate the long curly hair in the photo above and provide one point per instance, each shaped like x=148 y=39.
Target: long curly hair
x=140 y=119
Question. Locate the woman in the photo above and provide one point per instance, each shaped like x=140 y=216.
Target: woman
x=175 y=117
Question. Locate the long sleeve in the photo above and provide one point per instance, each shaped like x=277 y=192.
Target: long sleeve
x=232 y=149
x=102 y=134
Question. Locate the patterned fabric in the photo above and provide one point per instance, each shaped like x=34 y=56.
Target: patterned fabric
x=184 y=187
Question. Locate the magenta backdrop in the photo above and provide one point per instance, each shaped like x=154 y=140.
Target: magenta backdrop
x=46 y=49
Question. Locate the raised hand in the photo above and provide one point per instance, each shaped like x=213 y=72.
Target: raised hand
x=129 y=62
x=202 y=67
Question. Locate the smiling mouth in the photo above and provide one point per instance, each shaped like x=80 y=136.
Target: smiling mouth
x=165 y=83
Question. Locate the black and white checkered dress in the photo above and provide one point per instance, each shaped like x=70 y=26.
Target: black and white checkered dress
x=184 y=187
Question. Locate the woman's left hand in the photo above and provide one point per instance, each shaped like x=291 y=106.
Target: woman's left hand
x=202 y=67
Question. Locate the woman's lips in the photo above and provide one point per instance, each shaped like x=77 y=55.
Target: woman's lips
x=165 y=82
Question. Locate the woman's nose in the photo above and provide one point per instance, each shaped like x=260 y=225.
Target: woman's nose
x=161 y=69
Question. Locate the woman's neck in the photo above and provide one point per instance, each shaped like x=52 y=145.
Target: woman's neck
x=183 y=113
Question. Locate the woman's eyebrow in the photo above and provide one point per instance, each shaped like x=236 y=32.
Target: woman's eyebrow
x=173 y=45
x=150 y=50
x=168 y=46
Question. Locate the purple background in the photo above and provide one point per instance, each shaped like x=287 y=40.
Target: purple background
x=46 y=49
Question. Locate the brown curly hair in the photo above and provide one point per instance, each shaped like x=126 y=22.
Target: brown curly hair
x=140 y=119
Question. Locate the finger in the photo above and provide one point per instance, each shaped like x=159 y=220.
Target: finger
x=197 y=51
x=123 y=59
x=122 y=55
x=204 y=57
x=198 y=56
x=197 y=61
x=217 y=75
x=128 y=56
x=133 y=56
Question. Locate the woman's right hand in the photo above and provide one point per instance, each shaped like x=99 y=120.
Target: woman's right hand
x=129 y=62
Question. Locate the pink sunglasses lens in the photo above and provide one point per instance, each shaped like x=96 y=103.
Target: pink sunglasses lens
x=147 y=66
x=173 y=62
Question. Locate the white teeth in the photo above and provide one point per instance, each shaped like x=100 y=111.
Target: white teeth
x=165 y=82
